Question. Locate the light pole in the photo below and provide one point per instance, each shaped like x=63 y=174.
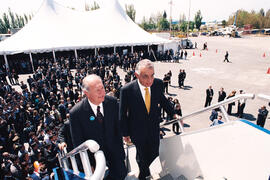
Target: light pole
x=188 y=18
x=171 y=3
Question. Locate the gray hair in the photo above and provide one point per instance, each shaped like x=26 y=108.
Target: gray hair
x=145 y=63
x=88 y=79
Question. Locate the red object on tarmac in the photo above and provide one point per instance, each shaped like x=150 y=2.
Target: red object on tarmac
x=193 y=53
x=264 y=55
x=216 y=50
x=200 y=54
x=268 y=71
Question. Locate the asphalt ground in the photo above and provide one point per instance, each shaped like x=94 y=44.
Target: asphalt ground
x=247 y=70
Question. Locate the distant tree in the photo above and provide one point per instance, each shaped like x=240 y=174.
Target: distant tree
x=25 y=18
x=191 y=25
x=92 y=7
x=258 y=19
x=267 y=15
x=6 y=23
x=224 y=23
x=3 y=28
x=163 y=24
x=144 y=24
x=164 y=15
x=182 y=18
x=198 y=19
x=183 y=26
x=13 y=20
x=262 y=13
x=131 y=12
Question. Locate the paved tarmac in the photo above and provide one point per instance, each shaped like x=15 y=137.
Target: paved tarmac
x=246 y=71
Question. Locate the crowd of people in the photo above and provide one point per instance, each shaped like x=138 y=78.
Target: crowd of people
x=30 y=120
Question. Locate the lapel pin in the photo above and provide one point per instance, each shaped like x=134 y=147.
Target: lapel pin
x=92 y=118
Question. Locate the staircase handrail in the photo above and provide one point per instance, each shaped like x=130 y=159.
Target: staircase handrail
x=82 y=149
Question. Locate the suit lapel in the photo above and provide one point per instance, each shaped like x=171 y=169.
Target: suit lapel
x=152 y=100
x=87 y=109
x=105 y=109
x=138 y=95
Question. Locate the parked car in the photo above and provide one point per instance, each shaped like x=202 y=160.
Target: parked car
x=186 y=44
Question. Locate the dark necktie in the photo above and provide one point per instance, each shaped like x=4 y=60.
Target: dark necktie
x=99 y=115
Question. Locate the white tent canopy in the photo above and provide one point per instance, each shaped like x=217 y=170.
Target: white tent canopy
x=58 y=28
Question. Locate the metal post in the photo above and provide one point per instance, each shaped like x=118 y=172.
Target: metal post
x=163 y=48
x=6 y=61
x=132 y=49
x=95 y=51
x=31 y=60
x=114 y=50
x=76 y=54
x=86 y=164
x=65 y=164
x=181 y=127
x=226 y=117
x=188 y=19
x=54 y=58
x=148 y=48
x=74 y=165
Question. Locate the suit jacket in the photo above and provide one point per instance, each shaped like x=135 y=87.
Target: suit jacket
x=84 y=126
x=135 y=121
x=221 y=96
x=209 y=93
x=65 y=136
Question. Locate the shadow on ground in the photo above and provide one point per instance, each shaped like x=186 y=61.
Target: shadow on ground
x=187 y=87
x=186 y=125
x=249 y=117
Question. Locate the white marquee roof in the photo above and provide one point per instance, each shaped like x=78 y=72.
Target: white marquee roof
x=58 y=28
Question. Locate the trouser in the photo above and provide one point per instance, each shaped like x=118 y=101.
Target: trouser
x=261 y=122
x=144 y=157
x=176 y=128
x=207 y=102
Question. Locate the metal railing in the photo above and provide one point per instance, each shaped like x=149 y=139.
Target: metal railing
x=220 y=105
x=82 y=149
x=264 y=97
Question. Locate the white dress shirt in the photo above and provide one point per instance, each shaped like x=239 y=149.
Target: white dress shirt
x=143 y=90
x=94 y=108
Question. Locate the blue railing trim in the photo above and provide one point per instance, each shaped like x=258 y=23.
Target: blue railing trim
x=255 y=125
x=81 y=175
x=55 y=173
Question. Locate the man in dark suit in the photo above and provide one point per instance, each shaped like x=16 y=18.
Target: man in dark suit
x=96 y=118
x=209 y=96
x=221 y=95
x=140 y=114
x=64 y=137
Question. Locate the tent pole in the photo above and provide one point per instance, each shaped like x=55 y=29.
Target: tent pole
x=6 y=61
x=31 y=60
x=76 y=55
x=148 y=49
x=95 y=51
x=54 y=58
x=114 y=49
x=163 y=48
x=132 y=49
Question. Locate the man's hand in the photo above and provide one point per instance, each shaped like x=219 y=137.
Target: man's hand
x=176 y=116
x=62 y=145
